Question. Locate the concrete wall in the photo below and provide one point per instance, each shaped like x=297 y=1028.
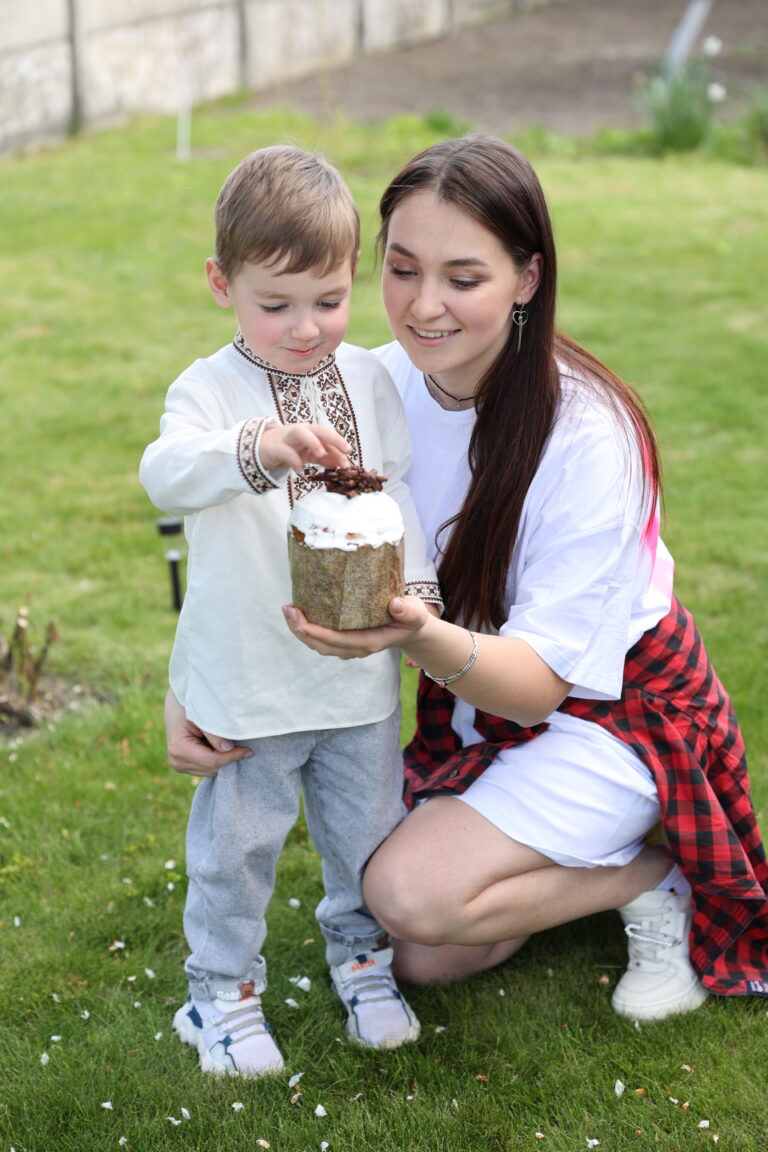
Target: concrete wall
x=65 y=64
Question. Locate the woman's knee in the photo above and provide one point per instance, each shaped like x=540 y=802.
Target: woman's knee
x=405 y=907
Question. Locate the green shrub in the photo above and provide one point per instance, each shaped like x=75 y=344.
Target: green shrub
x=679 y=108
x=756 y=122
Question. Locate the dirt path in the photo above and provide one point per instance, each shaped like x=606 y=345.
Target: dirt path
x=570 y=67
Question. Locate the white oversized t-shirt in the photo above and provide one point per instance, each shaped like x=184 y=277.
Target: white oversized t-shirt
x=586 y=578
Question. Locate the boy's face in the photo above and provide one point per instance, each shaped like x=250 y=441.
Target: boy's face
x=290 y=319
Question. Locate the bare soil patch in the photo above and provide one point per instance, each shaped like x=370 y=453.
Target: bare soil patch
x=571 y=67
x=54 y=698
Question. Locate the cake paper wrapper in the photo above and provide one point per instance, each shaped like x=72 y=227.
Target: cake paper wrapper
x=345 y=590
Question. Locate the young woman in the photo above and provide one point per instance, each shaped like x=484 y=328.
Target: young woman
x=566 y=703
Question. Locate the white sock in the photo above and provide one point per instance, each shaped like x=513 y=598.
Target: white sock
x=675 y=881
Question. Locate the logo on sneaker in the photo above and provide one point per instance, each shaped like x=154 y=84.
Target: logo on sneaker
x=247 y=989
x=369 y=963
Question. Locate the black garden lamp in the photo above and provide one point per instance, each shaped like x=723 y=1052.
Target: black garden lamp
x=172 y=526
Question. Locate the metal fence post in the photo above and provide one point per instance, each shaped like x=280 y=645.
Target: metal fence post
x=76 y=44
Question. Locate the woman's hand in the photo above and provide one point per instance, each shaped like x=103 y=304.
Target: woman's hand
x=409 y=615
x=192 y=751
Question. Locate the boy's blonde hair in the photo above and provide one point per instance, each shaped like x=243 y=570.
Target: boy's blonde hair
x=284 y=204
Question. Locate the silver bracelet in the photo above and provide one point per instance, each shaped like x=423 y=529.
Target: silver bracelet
x=444 y=681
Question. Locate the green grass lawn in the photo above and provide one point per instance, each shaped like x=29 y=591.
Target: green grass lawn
x=104 y=303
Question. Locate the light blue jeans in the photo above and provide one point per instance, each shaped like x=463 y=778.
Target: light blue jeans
x=352 y=780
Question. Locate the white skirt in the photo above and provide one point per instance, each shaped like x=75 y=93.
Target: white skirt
x=575 y=793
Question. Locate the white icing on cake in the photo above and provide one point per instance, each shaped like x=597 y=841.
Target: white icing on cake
x=331 y=520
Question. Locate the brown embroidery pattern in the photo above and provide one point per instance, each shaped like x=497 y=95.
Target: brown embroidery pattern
x=248 y=454
x=295 y=397
x=426 y=590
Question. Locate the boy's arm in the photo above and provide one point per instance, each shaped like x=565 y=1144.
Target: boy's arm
x=198 y=461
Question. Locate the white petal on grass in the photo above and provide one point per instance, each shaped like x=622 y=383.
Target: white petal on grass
x=149 y=974
x=324 y=1146
x=294 y=903
x=440 y=1027
x=137 y=1003
x=158 y=1035
x=107 y=1105
x=44 y=1059
x=592 y=1143
x=238 y=1106
x=302 y=982
x=618 y=1088
x=291 y=1002
x=131 y=979
x=55 y=1039
x=185 y=1113
x=320 y=1111
x=263 y=1143
x=169 y=864
x=174 y=1121
x=85 y=1014
x=716 y=92
x=123 y=1140
x=170 y=885
x=17 y=922
x=703 y=1123
x=295 y=1079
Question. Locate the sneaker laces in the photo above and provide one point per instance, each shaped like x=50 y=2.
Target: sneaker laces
x=368 y=987
x=645 y=943
x=242 y=1023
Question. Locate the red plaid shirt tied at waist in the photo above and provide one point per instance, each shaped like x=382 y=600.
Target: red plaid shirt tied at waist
x=676 y=715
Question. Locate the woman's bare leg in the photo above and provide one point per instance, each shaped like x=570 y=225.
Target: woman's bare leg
x=446 y=875
x=444 y=963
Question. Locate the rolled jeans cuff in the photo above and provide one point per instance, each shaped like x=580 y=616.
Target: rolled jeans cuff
x=209 y=985
x=340 y=947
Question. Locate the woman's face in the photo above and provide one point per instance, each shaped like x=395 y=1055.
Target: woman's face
x=449 y=288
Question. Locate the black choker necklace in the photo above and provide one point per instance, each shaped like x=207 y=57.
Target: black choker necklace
x=458 y=400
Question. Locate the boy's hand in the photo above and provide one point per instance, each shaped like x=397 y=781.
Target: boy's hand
x=294 y=445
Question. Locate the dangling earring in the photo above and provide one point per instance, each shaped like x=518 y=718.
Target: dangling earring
x=520 y=318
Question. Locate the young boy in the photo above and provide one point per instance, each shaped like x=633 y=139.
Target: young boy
x=241 y=435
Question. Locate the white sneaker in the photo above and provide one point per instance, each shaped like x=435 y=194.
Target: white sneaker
x=659 y=980
x=231 y=1038
x=377 y=1014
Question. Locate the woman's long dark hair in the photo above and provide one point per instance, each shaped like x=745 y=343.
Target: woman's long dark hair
x=517 y=398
